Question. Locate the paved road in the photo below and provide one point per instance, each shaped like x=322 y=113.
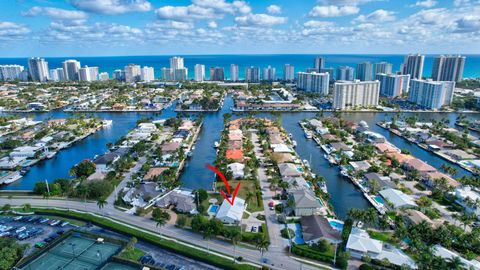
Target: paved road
x=279 y=259
x=126 y=178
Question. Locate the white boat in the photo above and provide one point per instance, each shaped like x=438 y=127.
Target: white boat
x=308 y=134
x=107 y=123
x=12 y=178
x=294 y=143
x=50 y=154
x=216 y=144
x=344 y=173
x=325 y=156
x=290 y=135
x=305 y=162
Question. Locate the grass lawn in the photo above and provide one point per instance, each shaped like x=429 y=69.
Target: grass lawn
x=133 y=254
x=382 y=236
x=245 y=187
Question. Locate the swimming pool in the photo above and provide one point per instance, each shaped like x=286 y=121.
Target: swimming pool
x=379 y=199
x=213 y=209
x=336 y=224
x=298 y=235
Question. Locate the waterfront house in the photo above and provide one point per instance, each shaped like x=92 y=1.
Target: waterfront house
x=231 y=214
x=237 y=170
x=469 y=199
x=10 y=163
x=397 y=198
x=315 y=123
x=234 y=145
x=280 y=148
x=276 y=139
x=401 y=158
x=235 y=137
x=386 y=148
x=281 y=157
x=360 y=244
x=315 y=228
x=418 y=165
x=322 y=130
x=56 y=122
x=28 y=135
x=340 y=146
x=359 y=166
x=142 y=195
x=430 y=178
x=447 y=254
x=458 y=154
x=295 y=183
x=373 y=137
x=27 y=151
x=182 y=200
x=104 y=162
x=330 y=138
x=306 y=204
x=186 y=125
x=181 y=134
x=234 y=154
x=415 y=217
x=97 y=175
x=382 y=181
x=289 y=170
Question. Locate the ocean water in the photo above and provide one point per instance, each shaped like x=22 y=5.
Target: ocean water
x=300 y=61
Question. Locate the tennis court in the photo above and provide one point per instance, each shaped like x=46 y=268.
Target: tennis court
x=75 y=252
x=117 y=266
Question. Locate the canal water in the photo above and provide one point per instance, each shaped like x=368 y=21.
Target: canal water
x=343 y=194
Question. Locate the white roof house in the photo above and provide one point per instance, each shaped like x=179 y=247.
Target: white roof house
x=280 y=148
x=360 y=244
x=9 y=163
x=237 y=170
x=448 y=254
x=465 y=195
x=231 y=214
x=397 y=198
x=26 y=151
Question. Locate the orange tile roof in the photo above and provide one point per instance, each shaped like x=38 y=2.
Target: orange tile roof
x=235 y=154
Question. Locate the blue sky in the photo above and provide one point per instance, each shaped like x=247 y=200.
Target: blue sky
x=153 y=27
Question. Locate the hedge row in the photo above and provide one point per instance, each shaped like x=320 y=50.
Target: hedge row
x=306 y=251
x=170 y=245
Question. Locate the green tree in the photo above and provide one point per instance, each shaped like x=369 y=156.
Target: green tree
x=83 y=169
x=262 y=244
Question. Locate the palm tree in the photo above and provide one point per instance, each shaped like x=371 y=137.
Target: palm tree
x=161 y=221
x=262 y=244
x=234 y=236
x=467 y=220
x=27 y=207
x=455 y=263
x=101 y=203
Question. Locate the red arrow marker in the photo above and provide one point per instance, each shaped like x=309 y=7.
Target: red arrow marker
x=220 y=174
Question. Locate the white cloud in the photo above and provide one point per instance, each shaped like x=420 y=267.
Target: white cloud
x=425 y=4
x=12 y=31
x=111 y=7
x=274 y=9
x=260 y=20
x=56 y=13
x=212 y=24
x=345 y=2
x=223 y=6
x=313 y=24
x=97 y=32
x=186 y=13
x=470 y=23
x=333 y=11
x=378 y=16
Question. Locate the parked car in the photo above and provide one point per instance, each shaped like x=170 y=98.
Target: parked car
x=44 y=220
x=21 y=229
x=40 y=245
x=18 y=218
x=65 y=223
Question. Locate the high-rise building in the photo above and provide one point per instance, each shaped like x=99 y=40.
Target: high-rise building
x=356 y=94
x=217 y=74
x=118 y=75
x=313 y=82
x=70 y=69
x=167 y=74
x=345 y=73
x=132 y=73
x=176 y=63
x=448 y=68
x=38 y=68
x=147 y=74
x=393 y=85
x=10 y=72
x=268 y=73
x=288 y=73
x=318 y=63
x=57 y=74
x=199 y=73
x=233 y=72
x=93 y=73
x=252 y=74
x=431 y=94
x=382 y=67
x=103 y=76
x=364 y=71
x=330 y=71
x=88 y=74
x=413 y=65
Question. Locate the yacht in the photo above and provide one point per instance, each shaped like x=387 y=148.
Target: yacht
x=294 y=143
x=305 y=162
x=344 y=173
x=325 y=156
x=107 y=123
x=216 y=144
x=308 y=134
x=290 y=135
x=12 y=178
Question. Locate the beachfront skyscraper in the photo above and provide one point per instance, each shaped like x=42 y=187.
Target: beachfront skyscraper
x=176 y=63
x=313 y=82
x=364 y=71
x=57 y=74
x=118 y=75
x=288 y=73
x=38 y=68
x=167 y=74
x=431 y=94
x=252 y=74
x=70 y=70
x=11 y=72
x=132 y=73
x=217 y=74
x=88 y=74
x=268 y=73
x=179 y=71
x=345 y=73
x=393 y=85
x=356 y=94
x=318 y=63
x=382 y=67
x=233 y=72
x=413 y=65
x=199 y=73
x=448 y=68
x=147 y=74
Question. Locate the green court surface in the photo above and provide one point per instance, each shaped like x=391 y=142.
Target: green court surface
x=117 y=266
x=75 y=253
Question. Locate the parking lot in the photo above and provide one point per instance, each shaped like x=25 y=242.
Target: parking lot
x=33 y=230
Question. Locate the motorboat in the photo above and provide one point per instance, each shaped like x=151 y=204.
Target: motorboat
x=216 y=144
x=12 y=178
x=294 y=143
x=306 y=163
